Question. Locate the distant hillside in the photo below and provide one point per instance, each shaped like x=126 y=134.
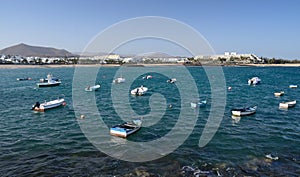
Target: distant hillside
x=156 y=55
x=27 y=50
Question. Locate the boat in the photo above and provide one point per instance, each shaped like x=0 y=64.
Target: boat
x=172 y=80
x=92 y=88
x=287 y=104
x=50 y=82
x=127 y=128
x=244 y=111
x=48 y=105
x=279 y=93
x=46 y=80
x=148 y=77
x=198 y=104
x=254 y=81
x=139 y=91
x=293 y=86
x=119 y=80
x=24 y=79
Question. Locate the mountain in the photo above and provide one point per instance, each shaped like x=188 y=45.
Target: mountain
x=27 y=50
x=155 y=55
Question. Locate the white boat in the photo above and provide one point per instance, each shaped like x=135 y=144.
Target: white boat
x=244 y=111
x=279 y=93
x=24 y=79
x=139 y=91
x=92 y=88
x=50 y=82
x=254 y=81
x=172 y=80
x=287 y=104
x=198 y=104
x=148 y=77
x=119 y=80
x=127 y=128
x=48 y=105
x=293 y=86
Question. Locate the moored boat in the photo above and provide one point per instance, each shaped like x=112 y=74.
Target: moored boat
x=288 y=104
x=198 y=104
x=48 y=105
x=127 y=128
x=254 y=81
x=173 y=80
x=279 y=93
x=92 y=88
x=24 y=79
x=244 y=111
x=119 y=80
x=139 y=91
x=148 y=77
x=50 y=82
x=293 y=86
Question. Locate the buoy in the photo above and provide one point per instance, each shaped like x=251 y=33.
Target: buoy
x=64 y=104
x=82 y=116
x=229 y=88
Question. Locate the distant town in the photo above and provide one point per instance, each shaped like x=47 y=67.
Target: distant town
x=32 y=55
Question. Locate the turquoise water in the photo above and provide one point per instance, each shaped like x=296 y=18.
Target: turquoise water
x=52 y=143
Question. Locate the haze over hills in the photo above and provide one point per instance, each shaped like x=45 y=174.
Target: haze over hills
x=155 y=55
x=27 y=50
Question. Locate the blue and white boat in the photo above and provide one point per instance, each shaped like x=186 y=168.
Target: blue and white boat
x=50 y=82
x=127 y=128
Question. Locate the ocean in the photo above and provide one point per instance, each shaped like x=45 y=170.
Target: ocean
x=58 y=142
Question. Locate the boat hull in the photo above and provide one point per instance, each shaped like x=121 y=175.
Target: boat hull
x=93 y=88
x=139 y=91
x=244 y=112
x=287 y=104
x=254 y=81
x=48 y=84
x=125 y=129
x=49 y=105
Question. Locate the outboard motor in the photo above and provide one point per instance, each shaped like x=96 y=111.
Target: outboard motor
x=137 y=91
x=36 y=105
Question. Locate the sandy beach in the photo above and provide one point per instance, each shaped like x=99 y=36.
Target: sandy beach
x=12 y=66
x=274 y=65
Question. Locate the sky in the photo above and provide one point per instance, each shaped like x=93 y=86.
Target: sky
x=266 y=28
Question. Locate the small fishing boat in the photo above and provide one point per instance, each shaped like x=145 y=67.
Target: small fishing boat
x=127 y=128
x=50 y=82
x=288 y=104
x=148 y=77
x=48 y=105
x=119 y=80
x=277 y=94
x=92 y=88
x=173 y=80
x=293 y=86
x=24 y=79
x=139 y=91
x=254 y=81
x=244 y=111
x=199 y=104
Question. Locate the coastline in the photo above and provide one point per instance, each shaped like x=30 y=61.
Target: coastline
x=16 y=66
x=274 y=65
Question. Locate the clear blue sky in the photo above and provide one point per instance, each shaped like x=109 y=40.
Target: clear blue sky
x=264 y=27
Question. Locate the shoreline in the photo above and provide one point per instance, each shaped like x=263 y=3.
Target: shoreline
x=17 y=66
